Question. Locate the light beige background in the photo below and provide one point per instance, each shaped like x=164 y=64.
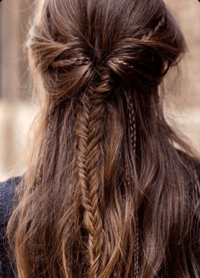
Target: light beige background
x=182 y=104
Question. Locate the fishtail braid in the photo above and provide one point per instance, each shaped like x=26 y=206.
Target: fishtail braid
x=82 y=133
x=89 y=133
x=133 y=139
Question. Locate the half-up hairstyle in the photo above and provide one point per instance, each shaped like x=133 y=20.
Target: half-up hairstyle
x=106 y=193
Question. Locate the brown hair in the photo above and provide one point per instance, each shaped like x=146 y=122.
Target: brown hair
x=106 y=192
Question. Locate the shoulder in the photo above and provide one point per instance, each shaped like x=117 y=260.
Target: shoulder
x=7 y=191
x=8 y=187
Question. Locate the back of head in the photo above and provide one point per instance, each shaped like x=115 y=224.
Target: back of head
x=106 y=193
x=80 y=41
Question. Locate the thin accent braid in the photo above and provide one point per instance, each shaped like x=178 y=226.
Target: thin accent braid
x=160 y=23
x=70 y=62
x=133 y=138
x=131 y=235
x=120 y=61
x=89 y=136
x=132 y=122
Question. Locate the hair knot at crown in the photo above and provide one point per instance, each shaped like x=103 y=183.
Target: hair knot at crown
x=67 y=71
x=66 y=68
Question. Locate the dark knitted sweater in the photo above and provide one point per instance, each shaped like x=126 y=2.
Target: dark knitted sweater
x=6 y=195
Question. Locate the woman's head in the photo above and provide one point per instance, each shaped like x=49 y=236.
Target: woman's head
x=106 y=192
x=131 y=42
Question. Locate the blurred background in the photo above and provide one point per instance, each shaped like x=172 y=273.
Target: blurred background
x=17 y=109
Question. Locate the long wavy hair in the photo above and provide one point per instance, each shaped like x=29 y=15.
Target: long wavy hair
x=107 y=191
